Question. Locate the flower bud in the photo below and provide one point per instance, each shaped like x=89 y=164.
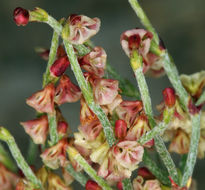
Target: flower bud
x=120 y=129
x=66 y=91
x=62 y=129
x=145 y=173
x=43 y=100
x=92 y=185
x=37 y=129
x=21 y=16
x=119 y=185
x=169 y=96
x=59 y=66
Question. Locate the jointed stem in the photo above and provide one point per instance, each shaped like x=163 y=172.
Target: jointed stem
x=173 y=76
x=88 y=95
x=136 y=63
x=8 y=138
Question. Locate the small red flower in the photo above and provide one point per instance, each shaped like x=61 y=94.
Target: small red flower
x=95 y=62
x=59 y=66
x=66 y=91
x=92 y=185
x=62 y=129
x=91 y=130
x=37 y=129
x=119 y=185
x=169 y=97
x=43 y=100
x=55 y=156
x=120 y=129
x=136 y=39
x=81 y=28
x=21 y=16
x=105 y=90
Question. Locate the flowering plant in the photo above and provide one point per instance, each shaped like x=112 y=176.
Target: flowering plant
x=115 y=135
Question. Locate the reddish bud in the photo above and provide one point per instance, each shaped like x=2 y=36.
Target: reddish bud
x=62 y=129
x=145 y=173
x=21 y=16
x=59 y=66
x=192 y=108
x=92 y=185
x=119 y=185
x=169 y=96
x=120 y=129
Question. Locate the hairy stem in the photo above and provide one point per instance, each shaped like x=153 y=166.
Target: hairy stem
x=193 y=149
x=153 y=168
x=9 y=139
x=201 y=99
x=88 y=95
x=53 y=128
x=78 y=176
x=136 y=64
x=88 y=169
x=159 y=129
x=6 y=160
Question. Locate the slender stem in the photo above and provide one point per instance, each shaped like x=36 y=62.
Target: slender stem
x=6 y=160
x=82 y=50
x=153 y=168
x=54 y=24
x=174 y=78
x=53 y=128
x=127 y=184
x=88 y=95
x=52 y=56
x=182 y=162
x=87 y=168
x=8 y=138
x=136 y=64
x=78 y=176
x=201 y=99
x=193 y=149
x=144 y=20
x=32 y=152
x=159 y=129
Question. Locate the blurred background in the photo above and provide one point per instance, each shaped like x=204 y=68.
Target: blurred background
x=181 y=25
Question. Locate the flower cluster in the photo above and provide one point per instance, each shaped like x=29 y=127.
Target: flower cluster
x=180 y=127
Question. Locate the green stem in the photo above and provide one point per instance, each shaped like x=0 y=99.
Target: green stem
x=201 y=99
x=88 y=95
x=136 y=64
x=78 y=176
x=153 y=168
x=143 y=18
x=87 y=168
x=6 y=160
x=193 y=149
x=8 y=138
x=160 y=128
x=53 y=128
x=32 y=152
x=127 y=184
x=47 y=78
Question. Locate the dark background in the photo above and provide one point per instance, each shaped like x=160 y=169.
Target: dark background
x=180 y=23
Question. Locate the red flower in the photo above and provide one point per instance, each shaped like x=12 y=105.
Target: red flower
x=169 y=97
x=92 y=185
x=120 y=129
x=81 y=28
x=37 y=129
x=105 y=90
x=66 y=91
x=43 y=100
x=21 y=16
x=95 y=62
